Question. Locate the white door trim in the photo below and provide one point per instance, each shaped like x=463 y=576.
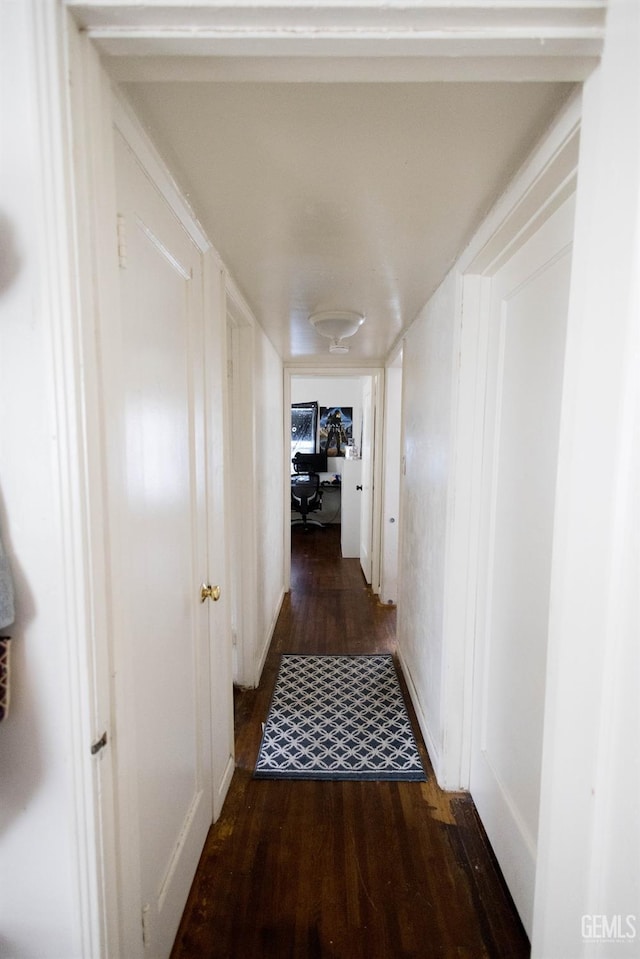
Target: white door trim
x=94 y=111
x=505 y=793
x=217 y=442
x=364 y=41
x=242 y=481
x=377 y=375
x=125 y=120
x=71 y=296
x=541 y=187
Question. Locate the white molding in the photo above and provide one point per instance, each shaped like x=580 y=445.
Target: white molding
x=543 y=183
x=240 y=473
x=126 y=121
x=343 y=69
x=379 y=387
x=268 y=638
x=286 y=471
x=237 y=304
x=218 y=534
x=564 y=35
x=538 y=189
x=90 y=110
x=429 y=741
x=297 y=369
x=220 y=793
x=71 y=418
x=496 y=16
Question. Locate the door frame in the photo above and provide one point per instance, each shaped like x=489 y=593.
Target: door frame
x=377 y=377
x=127 y=124
x=217 y=492
x=547 y=180
x=507 y=830
x=95 y=111
x=161 y=234
x=392 y=469
x=242 y=481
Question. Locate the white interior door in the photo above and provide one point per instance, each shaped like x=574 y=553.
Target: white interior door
x=391 y=495
x=156 y=435
x=350 y=502
x=366 y=504
x=529 y=303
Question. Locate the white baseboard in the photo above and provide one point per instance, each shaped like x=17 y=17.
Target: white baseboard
x=265 y=649
x=221 y=790
x=434 y=753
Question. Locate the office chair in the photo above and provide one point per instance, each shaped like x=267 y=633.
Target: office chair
x=306 y=495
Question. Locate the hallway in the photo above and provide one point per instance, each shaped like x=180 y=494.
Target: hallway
x=341 y=869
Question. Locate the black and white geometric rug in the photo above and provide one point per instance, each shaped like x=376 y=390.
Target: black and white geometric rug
x=338 y=717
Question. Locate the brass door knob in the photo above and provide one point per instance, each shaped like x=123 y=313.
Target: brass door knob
x=207 y=591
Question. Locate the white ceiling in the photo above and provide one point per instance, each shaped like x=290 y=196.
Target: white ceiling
x=340 y=155
x=347 y=196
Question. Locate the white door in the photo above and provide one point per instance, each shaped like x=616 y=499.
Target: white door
x=366 y=505
x=391 y=496
x=155 y=429
x=350 y=502
x=529 y=303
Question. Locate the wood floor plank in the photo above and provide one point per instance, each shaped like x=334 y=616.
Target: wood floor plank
x=341 y=870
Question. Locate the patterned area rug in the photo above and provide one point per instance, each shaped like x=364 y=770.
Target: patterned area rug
x=338 y=717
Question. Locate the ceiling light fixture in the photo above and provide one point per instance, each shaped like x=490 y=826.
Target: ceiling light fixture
x=337 y=325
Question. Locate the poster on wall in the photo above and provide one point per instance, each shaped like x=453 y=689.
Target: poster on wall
x=336 y=429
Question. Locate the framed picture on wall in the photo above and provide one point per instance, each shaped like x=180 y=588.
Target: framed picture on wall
x=304 y=427
x=336 y=429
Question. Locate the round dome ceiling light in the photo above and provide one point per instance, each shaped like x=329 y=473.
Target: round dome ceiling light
x=337 y=325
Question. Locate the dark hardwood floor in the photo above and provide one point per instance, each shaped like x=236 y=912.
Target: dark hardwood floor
x=341 y=870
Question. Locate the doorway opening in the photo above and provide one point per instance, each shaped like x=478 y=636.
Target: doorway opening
x=335 y=416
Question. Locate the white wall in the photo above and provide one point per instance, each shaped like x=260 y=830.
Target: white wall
x=39 y=898
x=427 y=397
x=331 y=391
x=49 y=893
x=589 y=835
x=588 y=873
x=269 y=457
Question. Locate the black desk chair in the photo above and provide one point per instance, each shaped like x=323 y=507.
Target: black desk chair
x=306 y=495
